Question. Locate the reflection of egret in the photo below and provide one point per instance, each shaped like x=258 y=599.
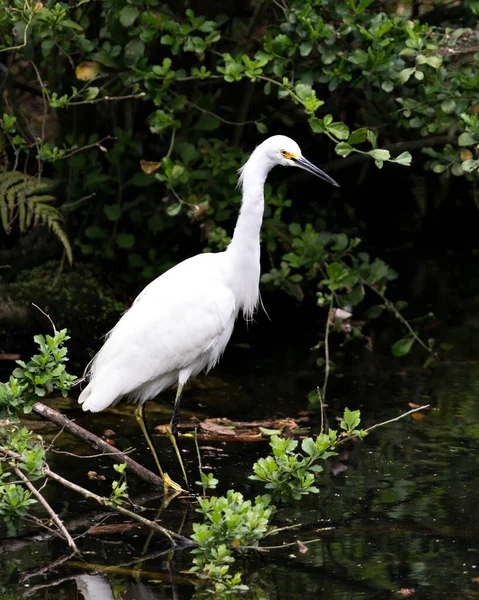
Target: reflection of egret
x=94 y=587
x=181 y=322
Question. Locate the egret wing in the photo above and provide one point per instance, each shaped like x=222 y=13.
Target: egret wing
x=178 y=324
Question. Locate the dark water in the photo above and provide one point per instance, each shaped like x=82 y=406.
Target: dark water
x=397 y=517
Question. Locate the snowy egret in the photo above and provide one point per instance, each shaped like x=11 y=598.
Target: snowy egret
x=181 y=322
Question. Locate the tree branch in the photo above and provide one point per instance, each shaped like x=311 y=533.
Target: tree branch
x=55 y=518
x=96 y=443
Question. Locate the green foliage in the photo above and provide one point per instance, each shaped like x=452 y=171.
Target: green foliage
x=44 y=373
x=289 y=474
x=23 y=202
x=14 y=502
x=14 y=499
x=228 y=522
x=119 y=488
x=177 y=94
x=208 y=482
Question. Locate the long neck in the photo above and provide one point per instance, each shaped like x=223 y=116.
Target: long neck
x=248 y=226
x=244 y=249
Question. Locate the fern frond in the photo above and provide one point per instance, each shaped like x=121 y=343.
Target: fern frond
x=21 y=198
x=62 y=236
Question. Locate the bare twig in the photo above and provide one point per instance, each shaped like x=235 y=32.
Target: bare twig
x=172 y=143
x=426 y=406
x=79 y=201
x=390 y=306
x=88 y=147
x=87 y=456
x=55 y=518
x=46 y=315
x=327 y=368
x=24 y=43
x=50 y=567
x=225 y=121
x=107 y=99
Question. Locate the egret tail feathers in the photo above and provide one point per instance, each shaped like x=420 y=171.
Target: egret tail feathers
x=93 y=401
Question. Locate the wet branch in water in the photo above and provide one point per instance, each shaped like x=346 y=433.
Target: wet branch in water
x=96 y=443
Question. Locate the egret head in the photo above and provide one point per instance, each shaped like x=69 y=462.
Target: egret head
x=282 y=150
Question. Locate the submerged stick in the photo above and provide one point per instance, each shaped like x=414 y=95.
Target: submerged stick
x=96 y=443
x=55 y=518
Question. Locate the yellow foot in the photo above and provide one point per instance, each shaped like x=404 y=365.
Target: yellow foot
x=172 y=485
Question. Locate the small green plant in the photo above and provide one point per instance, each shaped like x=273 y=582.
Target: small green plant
x=14 y=502
x=14 y=499
x=45 y=372
x=229 y=522
x=119 y=487
x=289 y=474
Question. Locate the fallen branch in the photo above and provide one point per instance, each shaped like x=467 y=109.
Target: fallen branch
x=55 y=518
x=96 y=443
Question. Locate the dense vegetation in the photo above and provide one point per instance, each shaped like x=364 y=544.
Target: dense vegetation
x=123 y=124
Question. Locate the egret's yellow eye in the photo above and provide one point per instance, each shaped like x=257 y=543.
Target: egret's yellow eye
x=286 y=154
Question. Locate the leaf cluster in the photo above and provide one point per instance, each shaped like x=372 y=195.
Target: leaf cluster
x=44 y=373
x=229 y=522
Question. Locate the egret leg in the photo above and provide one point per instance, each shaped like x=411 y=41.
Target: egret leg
x=172 y=431
x=140 y=419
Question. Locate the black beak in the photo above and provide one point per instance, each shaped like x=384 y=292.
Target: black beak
x=304 y=163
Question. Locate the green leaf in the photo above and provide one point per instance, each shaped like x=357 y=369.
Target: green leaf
x=328 y=57
x=434 y=61
x=358 y=136
x=308 y=446
x=469 y=165
x=405 y=74
x=448 y=106
x=374 y=312
x=402 y=346
x=343 y=149
x=339 y=130
x=125 y=240
x=207 y=123
x=261 y=127
x=134 y=50
x=456 y=170
x=268 y=432
x=466 y=139
x=380 y=154
x=305 y=48
x=173 y=209
x=96 y=233
x=92 y=92
x=387 y=85
x=112 y=211
x=128 y=15
x=351 y=418
x=404 y=158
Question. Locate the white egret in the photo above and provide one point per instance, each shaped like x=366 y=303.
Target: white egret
x=181 y=322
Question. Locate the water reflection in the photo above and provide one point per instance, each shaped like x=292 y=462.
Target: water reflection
x=96 y=587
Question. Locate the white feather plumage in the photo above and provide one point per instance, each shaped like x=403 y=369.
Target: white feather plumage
x=181 y=323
